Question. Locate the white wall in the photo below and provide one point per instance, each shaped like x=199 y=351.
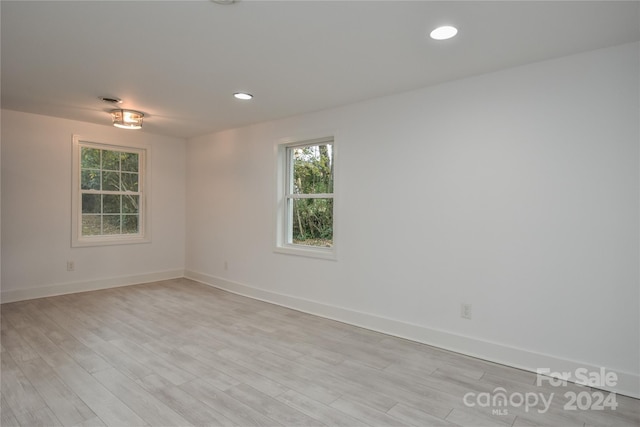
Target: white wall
x=515 y=191
x=36 y=211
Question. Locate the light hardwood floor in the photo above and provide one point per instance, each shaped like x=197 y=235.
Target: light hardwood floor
x=178 y=353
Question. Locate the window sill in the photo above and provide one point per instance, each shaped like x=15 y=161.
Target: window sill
x=108 y=241
x=307 y=251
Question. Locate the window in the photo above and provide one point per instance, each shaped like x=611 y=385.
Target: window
x=306 y=198
x=109 y=197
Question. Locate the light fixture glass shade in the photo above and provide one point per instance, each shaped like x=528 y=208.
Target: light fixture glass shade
x=127 y=119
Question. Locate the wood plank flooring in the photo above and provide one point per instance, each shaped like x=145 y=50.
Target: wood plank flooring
x=178 y=353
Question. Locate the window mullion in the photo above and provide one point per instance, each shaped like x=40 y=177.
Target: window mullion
x=111 y=192
x=310 y=196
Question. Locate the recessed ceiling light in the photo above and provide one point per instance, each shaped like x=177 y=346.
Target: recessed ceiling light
x=242 y=95
x=444 y=33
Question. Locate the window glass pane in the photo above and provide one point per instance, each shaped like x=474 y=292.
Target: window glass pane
x=312 y=169
x=91 y=203
x=312 y=222
x=111 y=203
x=111 y=224
x=129 y=204
x=129 y=162
x=90 y=179
x=90 y=158
x=110 y=160
x=129 y=224
x=129 y=181
x=110 y=181
x=91 y=225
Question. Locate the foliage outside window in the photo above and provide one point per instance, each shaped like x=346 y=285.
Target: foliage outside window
x=308 y=200
x=109 y=198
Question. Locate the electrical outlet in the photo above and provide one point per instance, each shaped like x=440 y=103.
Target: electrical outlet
x=71 y=266
x=226 y=265
x=465 y=311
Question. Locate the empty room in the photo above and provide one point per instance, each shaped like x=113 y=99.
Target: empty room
x=320 y=213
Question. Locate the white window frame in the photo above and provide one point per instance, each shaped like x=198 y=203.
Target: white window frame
x=284 y=178
x=144 y=190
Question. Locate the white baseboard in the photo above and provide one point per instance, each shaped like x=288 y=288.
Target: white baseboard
x=628 y=383
x=84 y=286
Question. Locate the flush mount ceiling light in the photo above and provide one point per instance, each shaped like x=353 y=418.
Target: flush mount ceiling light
x=127 y=119
x=444 y=33
x=243 y=95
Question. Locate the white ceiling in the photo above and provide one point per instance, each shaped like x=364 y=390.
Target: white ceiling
x=180 y=61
